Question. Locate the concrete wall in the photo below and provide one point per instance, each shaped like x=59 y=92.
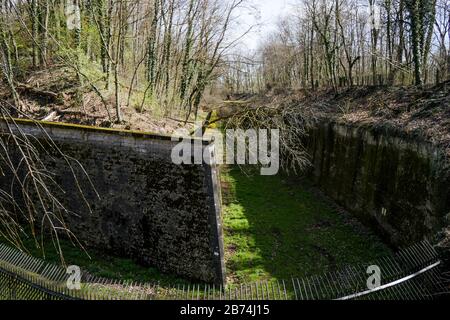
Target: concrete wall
x=150 y=210
x=395 y=182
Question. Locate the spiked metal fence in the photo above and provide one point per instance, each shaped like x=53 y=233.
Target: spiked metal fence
x=412 y=274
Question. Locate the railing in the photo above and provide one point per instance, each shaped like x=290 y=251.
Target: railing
x=412 y=274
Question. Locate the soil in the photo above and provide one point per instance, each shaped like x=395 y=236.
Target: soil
x=51 y=95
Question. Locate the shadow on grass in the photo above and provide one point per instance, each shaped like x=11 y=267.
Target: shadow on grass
x=277 y=229
x=101 y=264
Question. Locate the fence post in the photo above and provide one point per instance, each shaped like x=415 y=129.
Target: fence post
x=12 y=284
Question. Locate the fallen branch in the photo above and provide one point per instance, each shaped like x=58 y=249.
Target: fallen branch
x=30 y=90
x=55 y=114
x=52 y=116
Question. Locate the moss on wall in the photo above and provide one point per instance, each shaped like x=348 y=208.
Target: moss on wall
x=395 y=183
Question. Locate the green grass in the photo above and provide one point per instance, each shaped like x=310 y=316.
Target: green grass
x=277 y=229
x=274 y=229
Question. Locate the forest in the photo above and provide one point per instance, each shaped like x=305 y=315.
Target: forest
x=169 y=56
x=138 y=54
x=340 y=44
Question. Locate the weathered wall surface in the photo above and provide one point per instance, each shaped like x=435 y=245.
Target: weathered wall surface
x=394 y=182
x=151 y=210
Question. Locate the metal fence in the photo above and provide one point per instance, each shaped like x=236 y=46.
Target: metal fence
x=412 y=274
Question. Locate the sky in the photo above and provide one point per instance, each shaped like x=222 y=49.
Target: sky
x=269 y=12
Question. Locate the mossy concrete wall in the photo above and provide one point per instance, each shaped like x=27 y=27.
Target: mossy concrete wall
x=397 y=183
x=151 y=210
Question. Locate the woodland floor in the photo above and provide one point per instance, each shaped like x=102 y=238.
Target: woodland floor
x=52 y=93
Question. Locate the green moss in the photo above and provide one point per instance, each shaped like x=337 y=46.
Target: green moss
x=135 y=134
x=277 y=229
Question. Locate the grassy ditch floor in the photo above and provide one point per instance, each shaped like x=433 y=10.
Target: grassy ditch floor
x=277 y=229
x=100 y=264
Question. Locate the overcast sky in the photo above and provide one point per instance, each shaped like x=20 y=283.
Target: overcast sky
x=269 y=13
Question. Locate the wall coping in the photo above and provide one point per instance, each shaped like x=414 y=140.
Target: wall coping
x=111 y=131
